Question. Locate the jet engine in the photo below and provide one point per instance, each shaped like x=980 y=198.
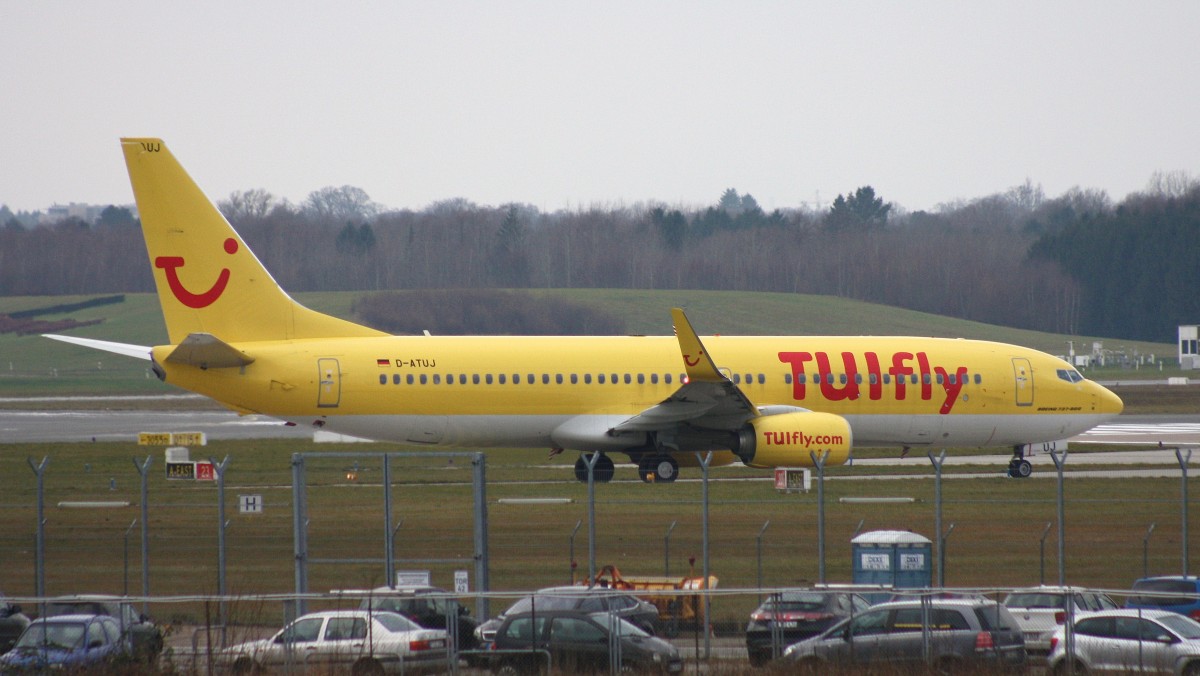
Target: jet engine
x=787 y=439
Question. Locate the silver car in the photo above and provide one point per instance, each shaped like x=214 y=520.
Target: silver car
x=950 y=635
x=1148 y=641
x=358 y=642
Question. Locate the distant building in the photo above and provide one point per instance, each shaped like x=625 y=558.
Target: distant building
x=88 y=213
x=1189 y=358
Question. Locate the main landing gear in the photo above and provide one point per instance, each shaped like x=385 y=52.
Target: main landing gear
x=1019 y=467
x=658 y=468
x=602 y=471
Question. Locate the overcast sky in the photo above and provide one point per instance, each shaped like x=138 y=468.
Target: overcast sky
x=566 y=105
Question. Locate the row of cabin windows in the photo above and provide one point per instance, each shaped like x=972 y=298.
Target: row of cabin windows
x=654 y=379
x=530 y=379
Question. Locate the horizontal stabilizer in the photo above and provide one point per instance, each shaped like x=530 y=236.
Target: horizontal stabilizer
x=136 y=351
x=206 y=351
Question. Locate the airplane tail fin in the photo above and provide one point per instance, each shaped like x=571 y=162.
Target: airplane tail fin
x=208 y=280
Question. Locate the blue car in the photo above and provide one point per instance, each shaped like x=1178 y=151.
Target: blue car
x=66 y=642
x=1176 y=593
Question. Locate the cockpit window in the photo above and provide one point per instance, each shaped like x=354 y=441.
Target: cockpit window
x=1069 y=375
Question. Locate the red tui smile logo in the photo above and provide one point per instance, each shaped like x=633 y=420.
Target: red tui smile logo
x=171 y=265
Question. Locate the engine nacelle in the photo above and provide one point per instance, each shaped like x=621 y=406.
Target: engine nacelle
x=787 y=439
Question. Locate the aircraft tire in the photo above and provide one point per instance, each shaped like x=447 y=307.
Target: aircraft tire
x=666 y=469
x=602 y=471
x=1023 y=469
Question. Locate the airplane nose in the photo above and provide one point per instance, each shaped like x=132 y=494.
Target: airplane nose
x=1106 y=401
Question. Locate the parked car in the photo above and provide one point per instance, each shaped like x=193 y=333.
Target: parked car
x=12 y=623
x=642 y=614
x=361 y=641
x=577 y=641
x=795 y=614
x=962 y=635
x=1041 y=610
x=429 y=607
x=145 y=637
x=68 y=643
x=1141 y=640
x=1177 y=593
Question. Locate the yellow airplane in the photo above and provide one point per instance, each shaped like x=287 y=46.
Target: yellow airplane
x=782 y=401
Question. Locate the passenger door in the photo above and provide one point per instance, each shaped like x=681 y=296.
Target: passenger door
x=861 y=642
x=345 y=638
x=295 y=644
x=578 y=645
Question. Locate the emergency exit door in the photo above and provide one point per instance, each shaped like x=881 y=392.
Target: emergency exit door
x=329 y=383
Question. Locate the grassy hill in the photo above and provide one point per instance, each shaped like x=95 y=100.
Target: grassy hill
x=34 y=366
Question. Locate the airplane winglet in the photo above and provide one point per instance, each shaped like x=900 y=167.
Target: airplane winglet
x=699 y=365
x=125 y=349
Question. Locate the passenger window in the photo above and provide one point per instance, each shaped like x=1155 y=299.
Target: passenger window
x=409 y=379
x=1096 y=626
x=653 y=378
x=842 y=378
x=516 y=379
x=939 y=379
x=424 y=379
x=641 y=379
x=977 y=379
x=558 y=378
x=787 y=379
x=887 y=379
x=737 y=379
x=762 y=379
x=302 y=631
x=600 y=379
x=874 y=622
x=614 y=379
x=628 y=379
x=488 y=379
x=382 y=379
x=437 y=379
x=667 y=379
x=474 y=378
x=462 y=379
x=574 y=379
x=502 y=380
x=545 y=378
x=925 y=378
x=587 y=379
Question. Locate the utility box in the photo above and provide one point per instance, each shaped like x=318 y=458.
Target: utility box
x=893 y=558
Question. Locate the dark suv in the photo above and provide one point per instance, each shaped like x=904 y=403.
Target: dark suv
x=795 y=614
x=574 y=641
x=429 y=607
x=642 y=614
x=950 y=635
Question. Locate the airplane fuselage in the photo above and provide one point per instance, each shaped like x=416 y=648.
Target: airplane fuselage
x=522 y=391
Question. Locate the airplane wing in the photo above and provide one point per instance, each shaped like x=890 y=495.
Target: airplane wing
x=707 y=400
x=126 y=349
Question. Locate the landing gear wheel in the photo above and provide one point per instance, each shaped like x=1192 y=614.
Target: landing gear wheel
x=658 y=468
x=1020 y=469
x=602 y=471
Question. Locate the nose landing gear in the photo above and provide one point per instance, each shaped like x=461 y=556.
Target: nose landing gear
x=1019 y=467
